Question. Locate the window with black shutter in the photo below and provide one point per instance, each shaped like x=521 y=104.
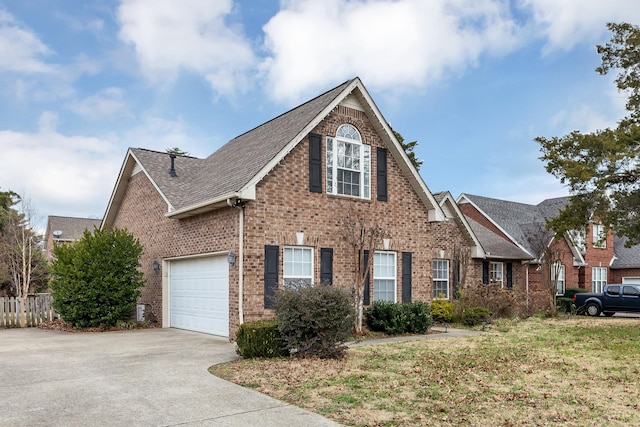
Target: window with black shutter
x=315 y=163
x=381 y=161
x=271 y=264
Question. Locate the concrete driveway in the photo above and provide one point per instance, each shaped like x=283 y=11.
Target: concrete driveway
x=153 y=377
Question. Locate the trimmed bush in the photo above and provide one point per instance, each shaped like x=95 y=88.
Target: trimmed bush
x=394 y=319
x=315 y=321
x=260 y=339
x=475 y=316
x=95 y=281
x=442 y=311
x=570 y=292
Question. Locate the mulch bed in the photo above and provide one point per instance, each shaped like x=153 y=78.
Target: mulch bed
x=60 y=325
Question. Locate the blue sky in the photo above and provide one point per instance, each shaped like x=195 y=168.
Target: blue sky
x=473 y=81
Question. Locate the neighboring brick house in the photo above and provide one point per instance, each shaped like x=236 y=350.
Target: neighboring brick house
x=512 y=235
x=65 y=229
x=221 y=234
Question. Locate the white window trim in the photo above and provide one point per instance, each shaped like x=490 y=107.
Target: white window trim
x=559 y=267
x=445 y=280
x=394 y=277
x=597 y=284
x=332 y=163
x=286 y=277
x=599 y=236
x=491 y=269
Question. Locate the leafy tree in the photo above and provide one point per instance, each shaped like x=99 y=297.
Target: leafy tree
x=408 y=148
x=177 y=151
x=8 y=199
x=96 y=281
x=602 y=168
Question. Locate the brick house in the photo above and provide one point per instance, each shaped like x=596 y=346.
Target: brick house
x=64 y=230
x=512 y=235
x=221 y=234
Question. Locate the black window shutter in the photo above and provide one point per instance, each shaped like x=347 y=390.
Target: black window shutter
x=381 y=161
x=485 y=272
x=406 y=277
x=509 y=275
x=326 y=266
x=366 y=300
x=315 y=163
x=271 y=264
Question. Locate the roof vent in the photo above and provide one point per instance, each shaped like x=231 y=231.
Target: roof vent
x=172 y=171
x=57 y=233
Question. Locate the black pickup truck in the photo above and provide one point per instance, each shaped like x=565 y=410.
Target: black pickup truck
x=613 y=299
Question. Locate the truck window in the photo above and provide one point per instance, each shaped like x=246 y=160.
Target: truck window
x=630 y=291
x=613 y=291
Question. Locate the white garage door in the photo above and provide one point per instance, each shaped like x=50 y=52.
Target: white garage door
x=199 y=295
x=631 y=280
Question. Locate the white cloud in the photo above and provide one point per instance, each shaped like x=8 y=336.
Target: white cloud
x=61 y=174
x=565 y=23
x=191 y=36
x=390 y=44
x=20 y=49
x=157 y=133
x=107 y=103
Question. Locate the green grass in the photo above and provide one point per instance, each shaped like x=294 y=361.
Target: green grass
x=567 y=371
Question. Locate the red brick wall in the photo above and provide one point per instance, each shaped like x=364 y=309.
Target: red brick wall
x=142 y=212
x=285 y=206
x=617 y=275
x=597 y=257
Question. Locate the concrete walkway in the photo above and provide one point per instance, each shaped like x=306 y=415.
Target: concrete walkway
x=153 y=377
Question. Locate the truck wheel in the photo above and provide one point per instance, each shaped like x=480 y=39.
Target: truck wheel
x=593 y=309
x=609 y=313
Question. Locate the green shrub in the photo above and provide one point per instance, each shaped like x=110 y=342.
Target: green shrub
x=442 y=311
x=564 y=304
x=260 y=339
x=315 y=321
x=475 y=316
x=570 y=292
x=95 y=281
x=395 y=319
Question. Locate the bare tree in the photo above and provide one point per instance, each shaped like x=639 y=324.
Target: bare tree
x=362 y=236
x=461 y=257
x=22 y=253
x=542 y=240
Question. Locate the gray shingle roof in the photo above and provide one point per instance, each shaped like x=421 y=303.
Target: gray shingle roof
x=71 y=228
x=494 y=245
x=231 y=167
x=625 y=257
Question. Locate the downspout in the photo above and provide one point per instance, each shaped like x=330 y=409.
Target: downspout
x=527 y=285
x=235 y=204
x=241 y=266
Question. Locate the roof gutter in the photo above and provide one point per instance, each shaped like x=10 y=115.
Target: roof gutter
x=212 y=204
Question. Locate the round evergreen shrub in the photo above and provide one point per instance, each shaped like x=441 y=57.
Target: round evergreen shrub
x=315 y=320
x=442 y=311
x=259 y=339
x=95 y=281
x=475 y=316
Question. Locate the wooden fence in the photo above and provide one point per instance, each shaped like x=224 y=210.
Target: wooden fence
x=38 y=310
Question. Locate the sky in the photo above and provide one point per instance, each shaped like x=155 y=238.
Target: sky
x=473 y=81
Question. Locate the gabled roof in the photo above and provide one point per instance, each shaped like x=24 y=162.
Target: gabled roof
x=451 y=211
x=233 y=171
x=494 y=245
x=65 y=228
x=625 y=257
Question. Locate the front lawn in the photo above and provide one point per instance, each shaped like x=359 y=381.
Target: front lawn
x=570 y=371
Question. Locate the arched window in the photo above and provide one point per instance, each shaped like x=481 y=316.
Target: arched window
x=348 y=164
